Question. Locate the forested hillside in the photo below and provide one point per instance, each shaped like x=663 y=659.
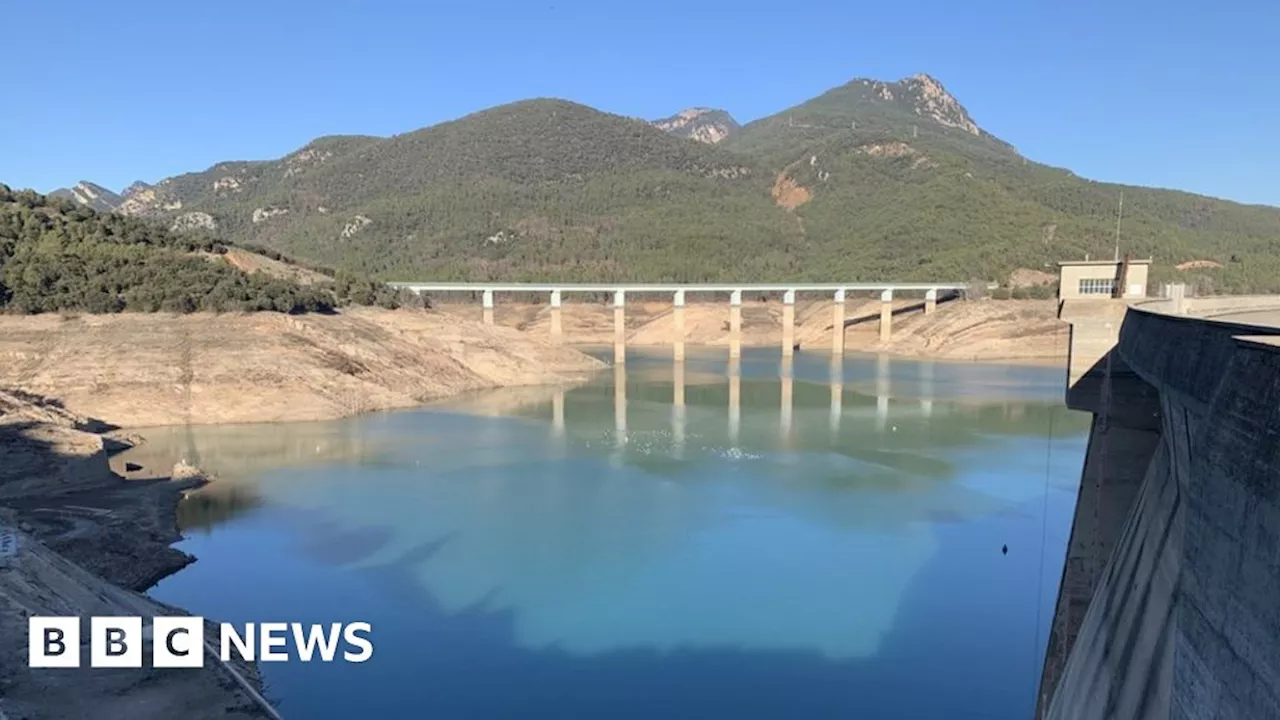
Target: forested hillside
x=869 y=181
x=911 y=183
x=537 y=189
x=56 y=255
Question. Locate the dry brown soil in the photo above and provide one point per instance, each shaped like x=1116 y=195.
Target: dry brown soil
x=145 y=370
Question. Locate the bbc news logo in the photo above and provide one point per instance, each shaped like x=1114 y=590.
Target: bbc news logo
x=179 y=642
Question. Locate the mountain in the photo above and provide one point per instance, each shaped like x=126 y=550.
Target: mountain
x=872 y=180
x=90 y=195
x=909 y=179
x=705 y=125
x=536 y=189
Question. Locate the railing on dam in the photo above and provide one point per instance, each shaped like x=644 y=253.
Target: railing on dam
x=679 y=291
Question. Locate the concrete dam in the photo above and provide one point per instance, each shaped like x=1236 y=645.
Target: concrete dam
x=1169 y=604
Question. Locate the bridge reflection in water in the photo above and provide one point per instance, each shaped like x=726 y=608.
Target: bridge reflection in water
x=882 y=384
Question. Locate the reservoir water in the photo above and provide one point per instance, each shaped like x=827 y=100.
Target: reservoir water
x=878 y=538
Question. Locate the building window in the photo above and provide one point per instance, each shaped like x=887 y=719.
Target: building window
x=1097 y=286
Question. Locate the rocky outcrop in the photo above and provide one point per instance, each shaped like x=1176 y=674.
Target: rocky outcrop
x=897 y=149
x=149 y=202
x=704 y=125
x=353 y=228
x=931 y=100
x=300 y=160
x=90 y=195
x=136 y=187
x=264 y=214
x=45 y=449
x=193 y=220
x=226 y=184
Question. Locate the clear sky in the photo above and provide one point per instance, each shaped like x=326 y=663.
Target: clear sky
x=1179 y=93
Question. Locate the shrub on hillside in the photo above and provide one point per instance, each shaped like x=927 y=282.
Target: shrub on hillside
x=56 y=256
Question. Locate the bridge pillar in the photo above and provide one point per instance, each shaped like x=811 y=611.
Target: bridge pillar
x=677 y=316
x=930 y=301
x=486 y=301
x=837 y=324
x=619 y=326
x=557 y=331
x=788 y=323
x=886 y=315
x=735 y=324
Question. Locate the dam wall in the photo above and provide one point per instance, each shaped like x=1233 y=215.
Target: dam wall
x=1176 y=541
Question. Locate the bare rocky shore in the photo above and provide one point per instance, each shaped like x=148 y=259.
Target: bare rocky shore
x=79 y=539
x=138 y=370
x=76 y=539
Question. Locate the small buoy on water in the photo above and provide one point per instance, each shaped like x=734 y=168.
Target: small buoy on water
x=1004 y=550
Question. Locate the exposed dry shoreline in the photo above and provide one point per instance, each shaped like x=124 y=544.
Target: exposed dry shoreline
x=1013 y=331
x=137 y=370
x=83 y=541
x=88 y=542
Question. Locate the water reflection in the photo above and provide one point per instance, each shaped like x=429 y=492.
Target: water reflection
x=677 y=409
x=837 y=397
x=882 y=392
x=557 y=414
x=620 y=405
x=215 y=506
x=735 y=401
x=787 y=382
x=926 y=387
x=801 y=525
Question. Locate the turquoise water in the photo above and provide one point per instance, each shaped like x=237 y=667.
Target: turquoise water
x=698 y=541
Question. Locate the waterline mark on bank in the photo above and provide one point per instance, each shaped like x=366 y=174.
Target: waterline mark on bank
x=179 y=642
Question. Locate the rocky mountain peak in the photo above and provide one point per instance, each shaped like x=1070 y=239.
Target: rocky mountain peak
x=90 y=195
x=136 y=187
x=706 y=125
x=930 y=99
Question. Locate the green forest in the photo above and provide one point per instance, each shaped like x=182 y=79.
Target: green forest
x=57 y=256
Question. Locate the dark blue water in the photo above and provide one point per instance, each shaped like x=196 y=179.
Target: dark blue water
x=602 y=551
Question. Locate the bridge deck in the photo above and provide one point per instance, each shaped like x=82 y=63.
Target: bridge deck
x=671 y=287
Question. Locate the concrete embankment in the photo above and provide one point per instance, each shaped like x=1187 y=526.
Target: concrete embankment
x=1176 y=542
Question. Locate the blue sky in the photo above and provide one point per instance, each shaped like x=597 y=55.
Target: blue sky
x=1173 y=94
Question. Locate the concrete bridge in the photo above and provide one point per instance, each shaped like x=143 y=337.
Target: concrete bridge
x=1169 y=605
x=678 y=292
